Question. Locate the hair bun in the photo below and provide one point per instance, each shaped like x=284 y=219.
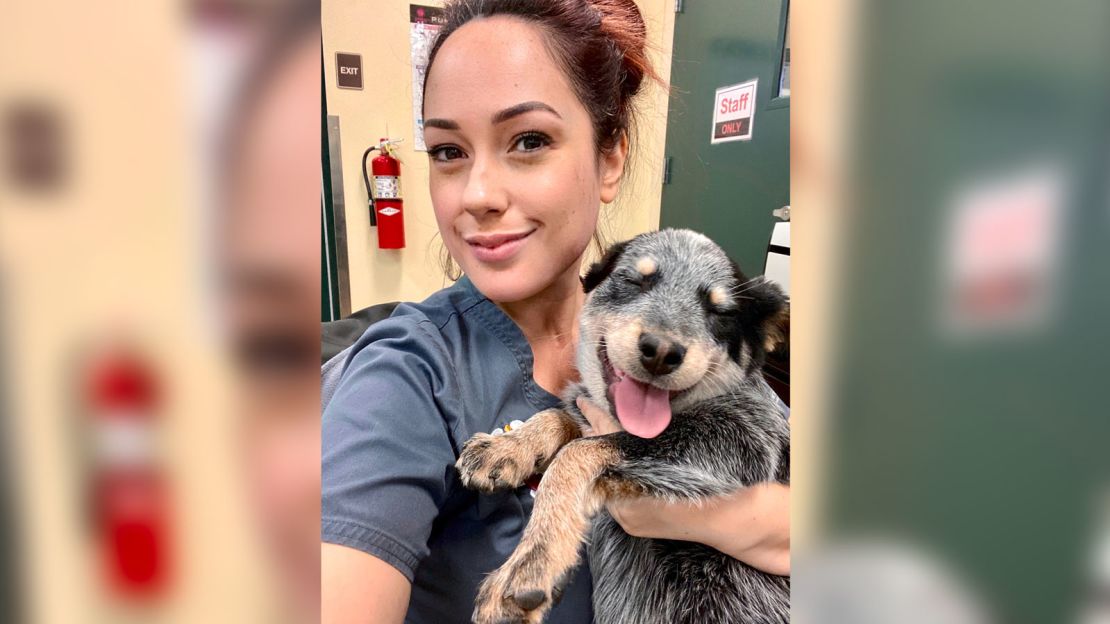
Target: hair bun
x=623 y=24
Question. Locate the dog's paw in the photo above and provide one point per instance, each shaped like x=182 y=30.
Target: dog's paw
x=492 y=463
x=518 y=592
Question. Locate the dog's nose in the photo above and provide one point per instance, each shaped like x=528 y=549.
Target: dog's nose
x=659 y=355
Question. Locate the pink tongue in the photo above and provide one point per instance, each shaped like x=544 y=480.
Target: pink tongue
x=643 y=409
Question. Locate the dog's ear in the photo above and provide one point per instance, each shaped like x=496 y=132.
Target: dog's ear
x=602 y=268
x=764 y=317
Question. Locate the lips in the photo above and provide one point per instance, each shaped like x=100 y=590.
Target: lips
x=496 y=247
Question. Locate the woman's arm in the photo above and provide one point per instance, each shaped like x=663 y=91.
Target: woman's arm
x=357 y=588
x=378 y=458
x=752 y=525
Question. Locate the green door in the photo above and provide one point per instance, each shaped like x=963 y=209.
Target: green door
x=727 y=190
x=981 y=443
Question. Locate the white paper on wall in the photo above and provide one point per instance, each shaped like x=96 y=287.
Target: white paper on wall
x=424 y=24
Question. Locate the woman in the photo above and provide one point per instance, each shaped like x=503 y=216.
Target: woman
x=527 y=110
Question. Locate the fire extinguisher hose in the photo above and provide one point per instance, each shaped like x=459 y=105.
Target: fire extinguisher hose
x=366 y=181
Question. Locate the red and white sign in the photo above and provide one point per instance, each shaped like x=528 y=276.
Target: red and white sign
x=734 y=112
x=1002 y=261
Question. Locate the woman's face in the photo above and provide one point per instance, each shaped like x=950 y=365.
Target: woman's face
x=274 y=284
x=515 y=179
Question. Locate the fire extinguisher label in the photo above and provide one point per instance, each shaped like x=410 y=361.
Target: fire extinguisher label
x=389 y=212
x=387 y=187
x=124 y=441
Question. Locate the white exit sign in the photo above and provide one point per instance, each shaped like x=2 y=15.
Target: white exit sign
x=348 y=69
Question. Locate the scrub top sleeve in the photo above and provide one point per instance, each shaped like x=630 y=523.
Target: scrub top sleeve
x=386 y=448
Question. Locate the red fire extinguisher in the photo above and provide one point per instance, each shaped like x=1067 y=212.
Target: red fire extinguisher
x=128 y=488
x=386 y=205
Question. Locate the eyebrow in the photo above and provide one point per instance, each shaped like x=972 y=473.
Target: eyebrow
x=263 y=283
x=520 y=109
x=499 y=117
x=443 y=124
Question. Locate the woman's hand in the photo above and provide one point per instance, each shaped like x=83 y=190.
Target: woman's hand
x=752 y=525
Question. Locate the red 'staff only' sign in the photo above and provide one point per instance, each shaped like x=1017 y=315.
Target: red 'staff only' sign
x=734 y=112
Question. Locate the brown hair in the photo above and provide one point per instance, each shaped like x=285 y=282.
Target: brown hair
x=601 y=46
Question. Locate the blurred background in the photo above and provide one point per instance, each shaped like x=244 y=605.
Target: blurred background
x=950 y=166
x=159 y=194
x=161 y=286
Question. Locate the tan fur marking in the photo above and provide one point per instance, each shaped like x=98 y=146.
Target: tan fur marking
x=621 y=339
x=717 y=296
x=646 y=266
x=568 y=498
x=777 y=329
x=619 y=488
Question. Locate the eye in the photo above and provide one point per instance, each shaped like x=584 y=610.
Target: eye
x=445 y=153
x=531 y=141
x=639 y=282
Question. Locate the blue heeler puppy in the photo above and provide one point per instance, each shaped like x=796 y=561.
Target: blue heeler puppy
x=671 y=340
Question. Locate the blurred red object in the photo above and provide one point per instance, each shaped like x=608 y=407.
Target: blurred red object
x=128 y=488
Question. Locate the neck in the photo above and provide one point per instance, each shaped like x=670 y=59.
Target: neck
x=550 y=316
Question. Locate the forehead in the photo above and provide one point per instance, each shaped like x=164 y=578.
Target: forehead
x=492 y=63
x=273 y=180
x=679 y=257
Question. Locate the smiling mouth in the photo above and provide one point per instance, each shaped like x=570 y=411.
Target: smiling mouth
x=642 y=408
x=608 y=372
x=611 y=374
x=493 y=241
x=497 y=248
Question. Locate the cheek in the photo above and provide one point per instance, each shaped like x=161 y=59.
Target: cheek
x=587 y=184
x=695 y=365
x=284 y=466
x=446 y=205
x=622 y=342
x=574 y=191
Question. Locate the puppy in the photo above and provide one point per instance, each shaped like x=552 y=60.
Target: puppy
x=672 y=337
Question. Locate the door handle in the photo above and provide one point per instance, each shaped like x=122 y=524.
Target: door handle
x=782 y=213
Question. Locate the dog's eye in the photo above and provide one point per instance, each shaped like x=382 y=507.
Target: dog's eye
x=639 y=282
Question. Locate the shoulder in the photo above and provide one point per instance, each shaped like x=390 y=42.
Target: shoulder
x=419 y=329
x=443 y=306
x=399 y=365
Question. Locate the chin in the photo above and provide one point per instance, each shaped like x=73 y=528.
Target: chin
x=525 y=276
x=505 y=286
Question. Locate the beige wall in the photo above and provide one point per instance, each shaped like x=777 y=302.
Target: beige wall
x=379 y=31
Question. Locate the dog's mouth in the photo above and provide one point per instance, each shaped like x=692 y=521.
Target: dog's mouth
x=643 y=409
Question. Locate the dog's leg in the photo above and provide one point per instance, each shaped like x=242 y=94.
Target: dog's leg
x=489 y=463
x=525 y=587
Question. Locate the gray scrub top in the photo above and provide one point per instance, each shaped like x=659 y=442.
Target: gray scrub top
x=413 y=390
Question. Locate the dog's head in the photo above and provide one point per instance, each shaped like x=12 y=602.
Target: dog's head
x=669 y=320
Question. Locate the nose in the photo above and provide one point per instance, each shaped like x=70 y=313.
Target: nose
x=484 y=192
x=660 y=356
